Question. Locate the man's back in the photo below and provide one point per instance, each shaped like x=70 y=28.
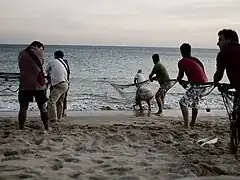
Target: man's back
x=29 y=70
x=139 y=78
x=57 y=71
x=68 y=68
x=161 y=73
x=193 y=70
x=145 y=93
x=229 y=58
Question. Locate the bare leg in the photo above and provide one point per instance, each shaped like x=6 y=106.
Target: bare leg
x=159 y=103
x=140 y=105
x=184 y=110
x=162 y=99
x=44 y=114
x=149 y=105
x=22 y=115
x=194 y=116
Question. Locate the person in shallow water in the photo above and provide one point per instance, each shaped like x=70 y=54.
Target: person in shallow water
x=144 y=94
x=139 y=77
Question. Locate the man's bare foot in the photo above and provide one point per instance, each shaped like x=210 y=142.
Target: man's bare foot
x=192 y=126
x=159 y=114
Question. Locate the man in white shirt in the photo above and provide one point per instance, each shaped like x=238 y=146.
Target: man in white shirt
x=139 y=78
x=57 y=71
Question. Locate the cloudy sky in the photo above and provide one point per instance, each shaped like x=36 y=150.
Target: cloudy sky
x=117 y=22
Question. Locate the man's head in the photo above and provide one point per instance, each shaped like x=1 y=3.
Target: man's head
x=58 y=54
x=139 y=71
x=226 y=36
x=155 y=58
x=37 y=45
x=185 y=49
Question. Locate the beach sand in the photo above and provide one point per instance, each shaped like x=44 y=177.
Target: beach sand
x=124 y=146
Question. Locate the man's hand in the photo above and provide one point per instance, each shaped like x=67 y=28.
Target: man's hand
x=183 y=83
x=153 y=79
x=216 y=78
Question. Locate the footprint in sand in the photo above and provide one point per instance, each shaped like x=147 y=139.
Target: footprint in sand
x=118 y=170
x=105 y=166
x=129 y=178
x=56 y=164
x=97 y=161
x=107 y=157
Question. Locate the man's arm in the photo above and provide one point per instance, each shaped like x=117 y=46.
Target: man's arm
x=220 y=68
x=151 y=74
x=48 y=68
x=180 y=72
x=135 y=79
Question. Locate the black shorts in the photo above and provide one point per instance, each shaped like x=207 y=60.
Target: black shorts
x=26 y=96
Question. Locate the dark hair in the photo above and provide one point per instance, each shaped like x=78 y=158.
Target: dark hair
x=185 y=49
x=229 y=34
x=58 y=54
x=37 y=44
x=155 y=57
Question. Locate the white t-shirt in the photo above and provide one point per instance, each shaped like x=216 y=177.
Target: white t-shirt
x=57 y=72
x=139 y=77
x=145 y=93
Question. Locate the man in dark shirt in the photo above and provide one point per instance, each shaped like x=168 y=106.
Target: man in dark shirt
x=161 y=75
x=229 y=58
x=32 y=82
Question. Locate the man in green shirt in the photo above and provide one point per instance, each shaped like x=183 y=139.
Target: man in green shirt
x=163 y=78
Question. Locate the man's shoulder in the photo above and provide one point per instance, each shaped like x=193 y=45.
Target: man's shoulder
x=221 y=54
x=159 y=65
x=181 y=61
x=22 y=53
x=66 y=61
x=52 y=61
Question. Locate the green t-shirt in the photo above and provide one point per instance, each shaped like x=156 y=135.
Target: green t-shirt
x=161 y=73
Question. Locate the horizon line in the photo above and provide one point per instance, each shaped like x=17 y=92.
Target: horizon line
x=88 y=45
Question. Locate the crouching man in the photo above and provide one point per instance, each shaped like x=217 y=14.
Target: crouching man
x=144 y=94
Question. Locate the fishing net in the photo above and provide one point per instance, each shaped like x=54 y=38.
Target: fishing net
x=228 y=94
x=206 y=88
x=124 y=86
x=120 y=88
x=9 y=83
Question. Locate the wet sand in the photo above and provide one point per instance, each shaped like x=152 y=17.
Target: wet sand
x=115 y=146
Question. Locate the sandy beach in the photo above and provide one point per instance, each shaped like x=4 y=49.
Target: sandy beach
x=108 y=145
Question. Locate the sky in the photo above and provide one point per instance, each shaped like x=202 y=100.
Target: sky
x=165 y=23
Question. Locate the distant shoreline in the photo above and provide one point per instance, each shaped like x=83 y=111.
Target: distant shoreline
x=107 y=46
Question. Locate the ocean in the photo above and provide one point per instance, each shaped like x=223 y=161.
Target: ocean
x=93 y=68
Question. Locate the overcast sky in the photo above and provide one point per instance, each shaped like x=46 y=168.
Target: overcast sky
x=117 y=22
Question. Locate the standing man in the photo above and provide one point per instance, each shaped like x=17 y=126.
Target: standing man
x=57 y=70
x=229 y=58
x=32 y=82
x=195 y=73
x=163 y=78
